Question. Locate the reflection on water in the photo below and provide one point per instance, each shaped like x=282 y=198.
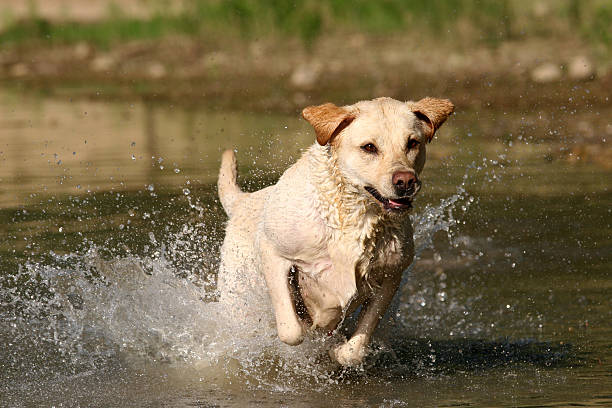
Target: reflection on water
x=53 y=146
x=110 y=230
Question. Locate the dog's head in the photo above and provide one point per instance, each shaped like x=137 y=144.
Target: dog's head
x=380 y=144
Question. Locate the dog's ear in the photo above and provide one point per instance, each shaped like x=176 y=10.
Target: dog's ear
x=433 y=112
x=327 y=120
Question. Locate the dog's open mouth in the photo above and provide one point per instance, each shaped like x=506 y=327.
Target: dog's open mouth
x=396 y=204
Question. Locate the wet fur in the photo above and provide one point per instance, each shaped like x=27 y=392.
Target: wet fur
x=319 y=224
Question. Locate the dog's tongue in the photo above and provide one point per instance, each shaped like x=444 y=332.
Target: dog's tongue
x=396 y=205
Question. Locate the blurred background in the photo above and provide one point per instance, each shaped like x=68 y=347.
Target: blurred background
x=277 y=56
x=113 y=115
x=287 y=53
x=305 y=48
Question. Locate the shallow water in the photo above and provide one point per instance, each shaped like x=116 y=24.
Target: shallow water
x=109 y=236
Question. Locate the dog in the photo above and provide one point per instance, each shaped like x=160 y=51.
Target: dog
x=333 y=233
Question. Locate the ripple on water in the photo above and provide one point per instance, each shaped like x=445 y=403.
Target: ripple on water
x=92 y=314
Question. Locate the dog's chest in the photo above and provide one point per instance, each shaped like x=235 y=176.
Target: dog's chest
x=380 y=251
x=371 y=252
x=351 y=261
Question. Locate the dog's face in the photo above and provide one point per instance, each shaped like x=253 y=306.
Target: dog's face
x=380 y=145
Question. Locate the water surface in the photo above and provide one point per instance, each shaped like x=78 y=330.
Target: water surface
x=109 y=235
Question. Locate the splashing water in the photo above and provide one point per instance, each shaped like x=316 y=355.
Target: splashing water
x=91 y=312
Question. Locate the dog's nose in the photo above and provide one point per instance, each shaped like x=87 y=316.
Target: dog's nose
x=403 y=180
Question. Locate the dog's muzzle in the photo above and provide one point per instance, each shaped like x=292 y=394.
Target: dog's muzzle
x=395 y=204
x=405 y=183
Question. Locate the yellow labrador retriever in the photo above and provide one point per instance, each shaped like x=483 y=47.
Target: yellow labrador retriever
x=333 y=233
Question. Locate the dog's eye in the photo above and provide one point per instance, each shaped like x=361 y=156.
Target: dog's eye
x=412 y=143
x=370 y=148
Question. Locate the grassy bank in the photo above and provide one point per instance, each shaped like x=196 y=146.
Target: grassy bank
x=488 y=21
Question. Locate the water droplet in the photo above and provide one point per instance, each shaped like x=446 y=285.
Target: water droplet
x=150 y=187
x=186 y=191
x=177 y=171
x=133 y=157
x=61 y=229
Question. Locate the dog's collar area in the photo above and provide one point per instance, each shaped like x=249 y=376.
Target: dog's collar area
x=396 y=204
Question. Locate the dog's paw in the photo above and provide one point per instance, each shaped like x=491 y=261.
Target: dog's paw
x=350 y=353
x=291 y=334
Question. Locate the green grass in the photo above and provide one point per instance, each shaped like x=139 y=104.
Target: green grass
x=103 y=33
x=490 y=20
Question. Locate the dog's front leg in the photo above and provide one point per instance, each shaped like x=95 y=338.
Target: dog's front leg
x=276 y=272
x=353 y=351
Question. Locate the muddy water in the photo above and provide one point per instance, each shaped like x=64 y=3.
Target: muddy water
x=109 y=236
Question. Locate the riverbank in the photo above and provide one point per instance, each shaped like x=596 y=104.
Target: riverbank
x=556 y=100
x=544 y=66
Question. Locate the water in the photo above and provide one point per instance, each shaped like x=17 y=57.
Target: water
x=109 y=237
